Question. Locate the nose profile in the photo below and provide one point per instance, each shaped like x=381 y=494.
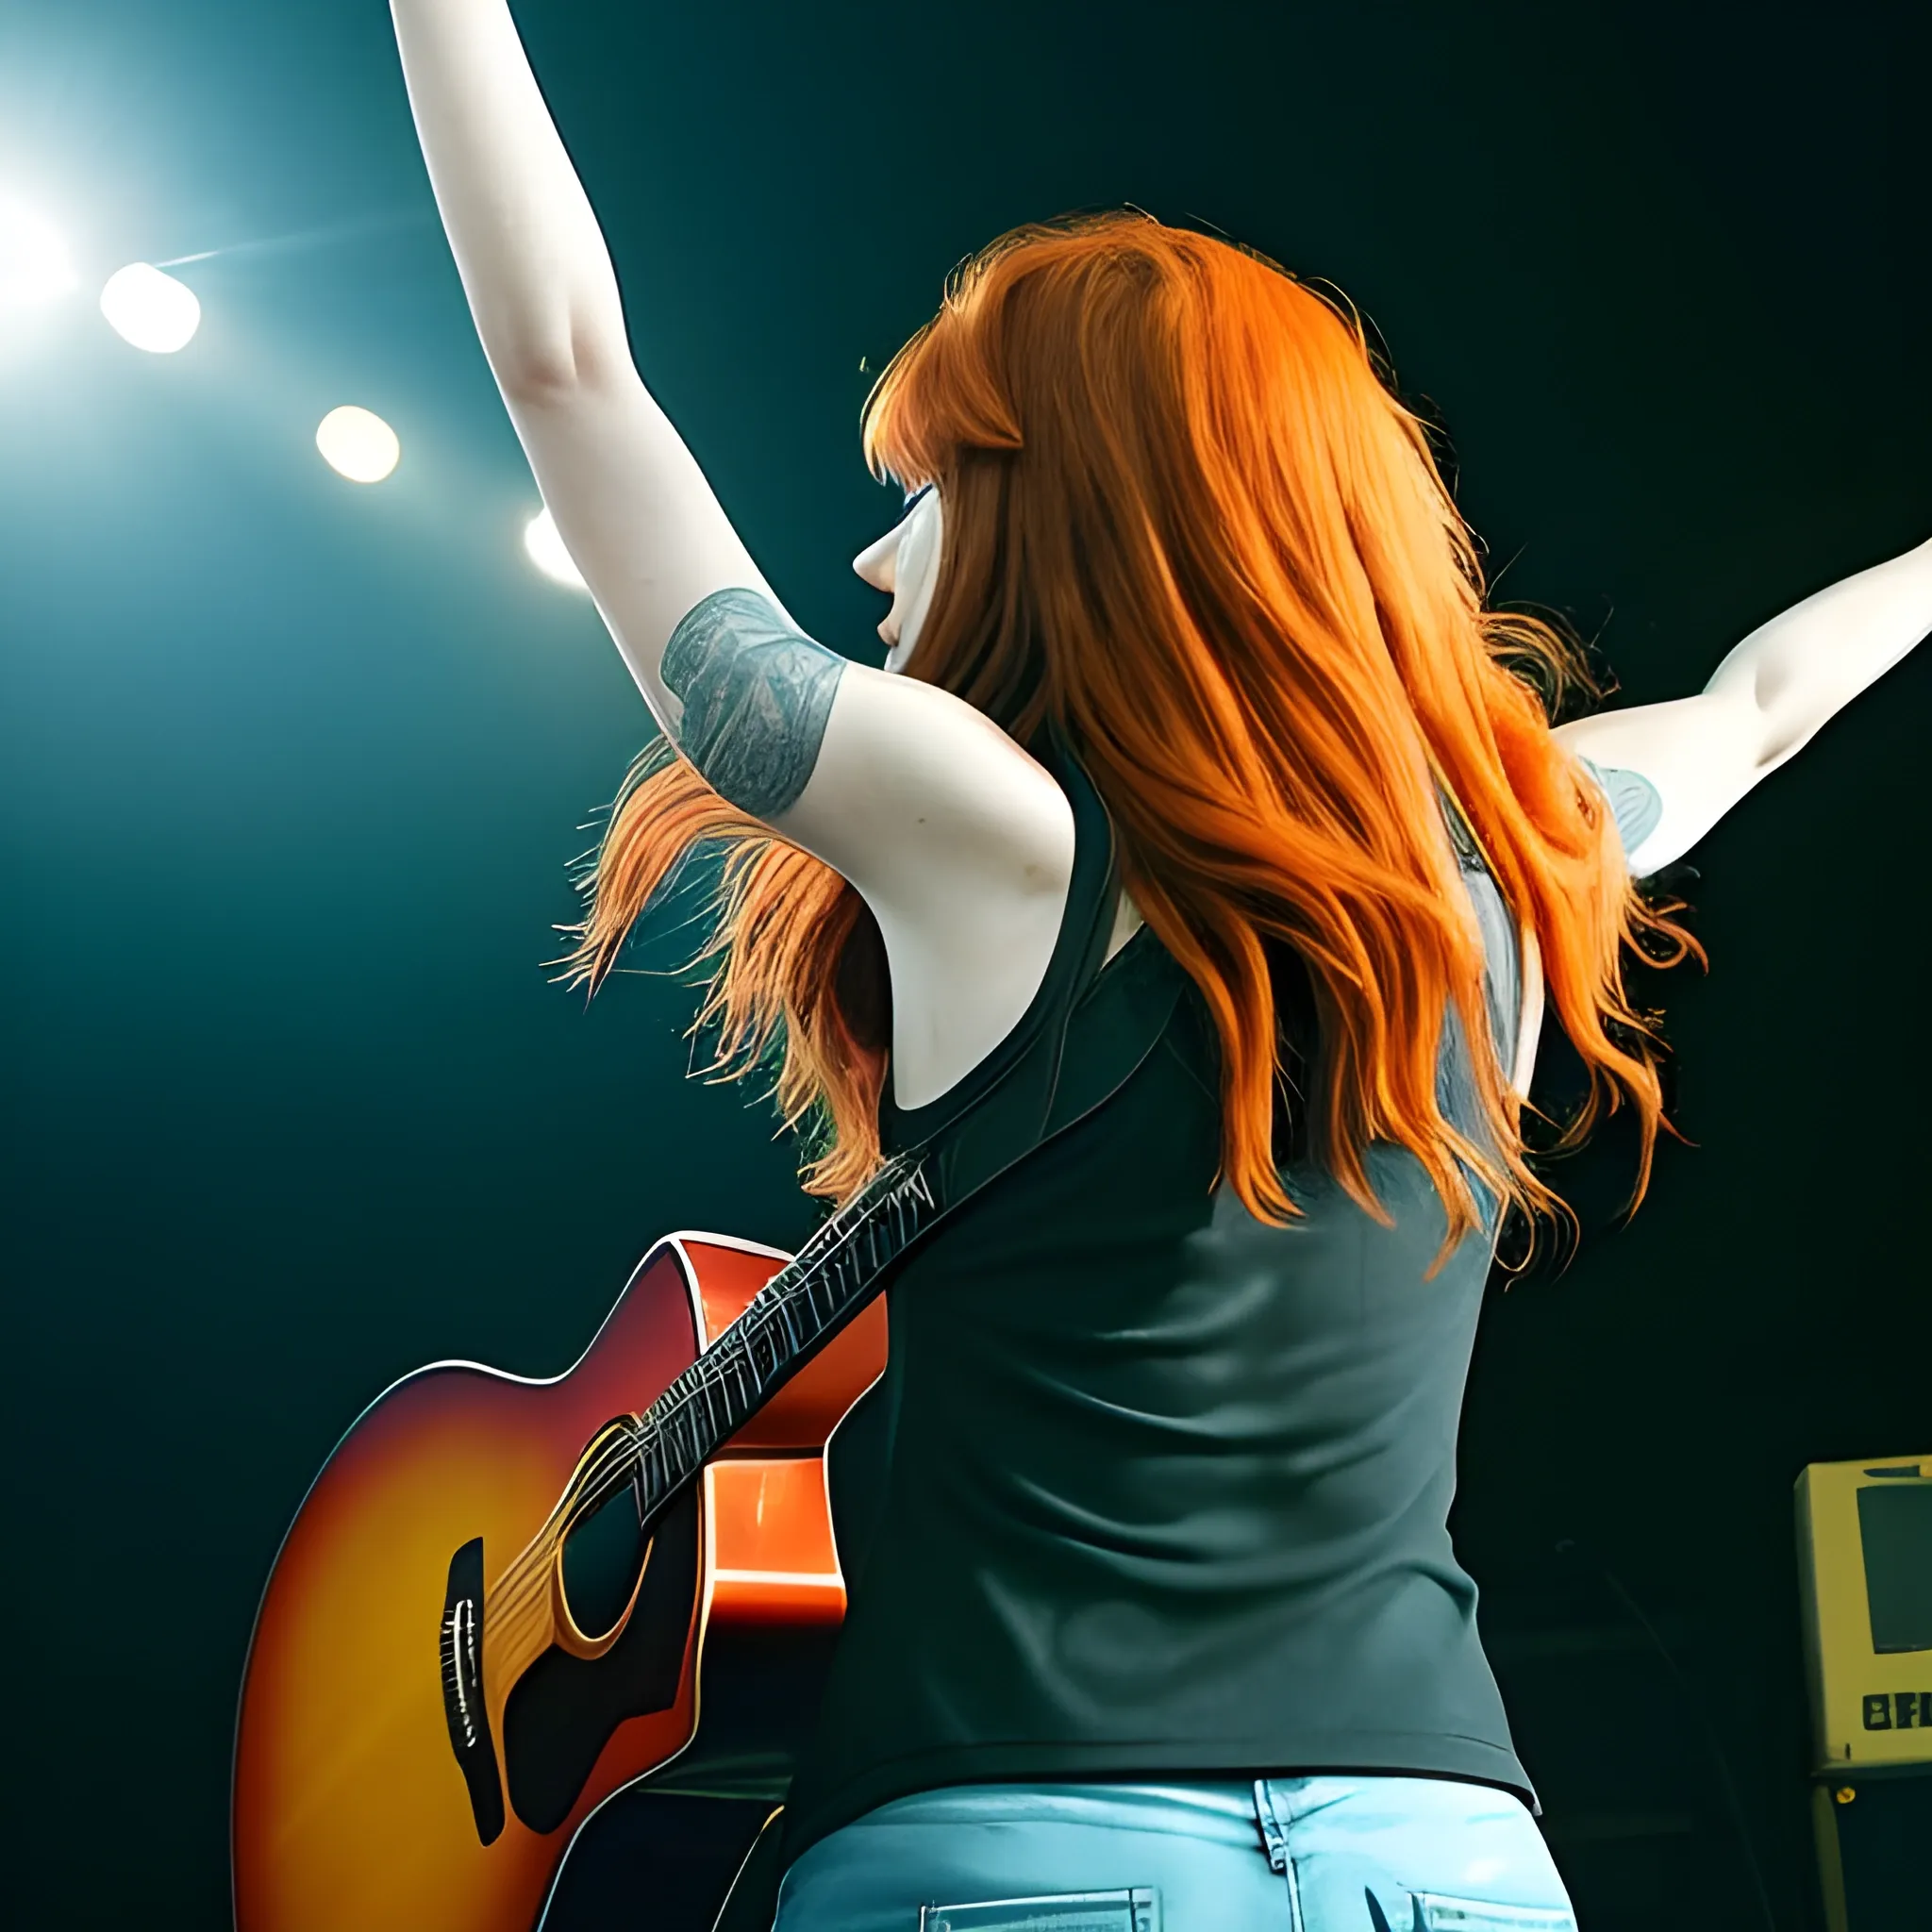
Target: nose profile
x=874 y=563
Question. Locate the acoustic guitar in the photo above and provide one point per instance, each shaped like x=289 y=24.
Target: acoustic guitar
x=491 y=1611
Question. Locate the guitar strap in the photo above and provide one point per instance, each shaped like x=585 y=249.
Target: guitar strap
x=1048 y=1078
x=1056 y=1079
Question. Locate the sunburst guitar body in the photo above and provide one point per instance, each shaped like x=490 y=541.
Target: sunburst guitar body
x=468 y=1642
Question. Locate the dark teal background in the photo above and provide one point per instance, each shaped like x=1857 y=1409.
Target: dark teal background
x=290 y=772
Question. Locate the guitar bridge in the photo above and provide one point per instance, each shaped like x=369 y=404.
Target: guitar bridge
x=460 y=1646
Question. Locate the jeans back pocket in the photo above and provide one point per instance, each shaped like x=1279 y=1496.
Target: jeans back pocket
x=1435 y=1912
x=1136 y=1910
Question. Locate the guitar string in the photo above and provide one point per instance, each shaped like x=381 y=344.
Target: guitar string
x=618 y=1463
x=615 y=1466
x=734 y=1358
x=624 y=1458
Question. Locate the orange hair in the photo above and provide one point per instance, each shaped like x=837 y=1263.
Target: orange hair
x=1188 y=523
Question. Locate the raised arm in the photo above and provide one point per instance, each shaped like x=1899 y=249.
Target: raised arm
x=960 y=842
x=1674 y=769
x=746 y=695
x=629 y=501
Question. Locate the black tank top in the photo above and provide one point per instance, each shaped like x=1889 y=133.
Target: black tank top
x=1148 y=1487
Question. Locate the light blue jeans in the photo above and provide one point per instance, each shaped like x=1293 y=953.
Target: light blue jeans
x=1280 y=1854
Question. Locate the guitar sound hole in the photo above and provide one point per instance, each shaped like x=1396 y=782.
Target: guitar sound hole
x=602 y=1556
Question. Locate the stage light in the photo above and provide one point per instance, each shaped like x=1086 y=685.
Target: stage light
x=544 y=548
x=357 y=444
x=34 y=265
x=150 y=310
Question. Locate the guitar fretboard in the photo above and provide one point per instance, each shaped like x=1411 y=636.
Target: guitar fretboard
x=803 y=1305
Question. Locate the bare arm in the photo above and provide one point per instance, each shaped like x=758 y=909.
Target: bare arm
x=960 y=843
x=629 y=501
x=695 y=618
x=1769 y=697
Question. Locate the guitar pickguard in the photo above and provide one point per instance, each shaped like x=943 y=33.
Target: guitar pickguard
x=563 y=1712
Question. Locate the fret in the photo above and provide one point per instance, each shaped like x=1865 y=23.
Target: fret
x=762 y=1349
x=788 y=1315
x=649 y=1490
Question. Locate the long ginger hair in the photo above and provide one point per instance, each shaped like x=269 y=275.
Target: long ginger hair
x=1188 y=524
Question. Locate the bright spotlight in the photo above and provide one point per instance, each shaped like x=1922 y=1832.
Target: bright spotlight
x=34 y=265
x=150 y=310
x=357 y=444
x=545 y=549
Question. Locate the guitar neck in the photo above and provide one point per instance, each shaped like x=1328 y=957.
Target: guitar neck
x=800 y=1310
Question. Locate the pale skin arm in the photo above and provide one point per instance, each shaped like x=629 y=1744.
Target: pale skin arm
x=1764 y=703
x=962 y=844
x=629 y=499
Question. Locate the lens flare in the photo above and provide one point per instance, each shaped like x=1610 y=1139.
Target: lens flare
x=544 y=548
x=357 y=444
x=34 y=264
x=150 y=310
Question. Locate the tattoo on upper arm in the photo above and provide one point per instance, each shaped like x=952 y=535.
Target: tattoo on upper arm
x=756 y=695
x=1635 y=803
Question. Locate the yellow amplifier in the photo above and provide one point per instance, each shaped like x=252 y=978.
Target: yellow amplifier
x=1865 y=1570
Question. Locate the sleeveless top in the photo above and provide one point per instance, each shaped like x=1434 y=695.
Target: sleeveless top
x=1149 y=1486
